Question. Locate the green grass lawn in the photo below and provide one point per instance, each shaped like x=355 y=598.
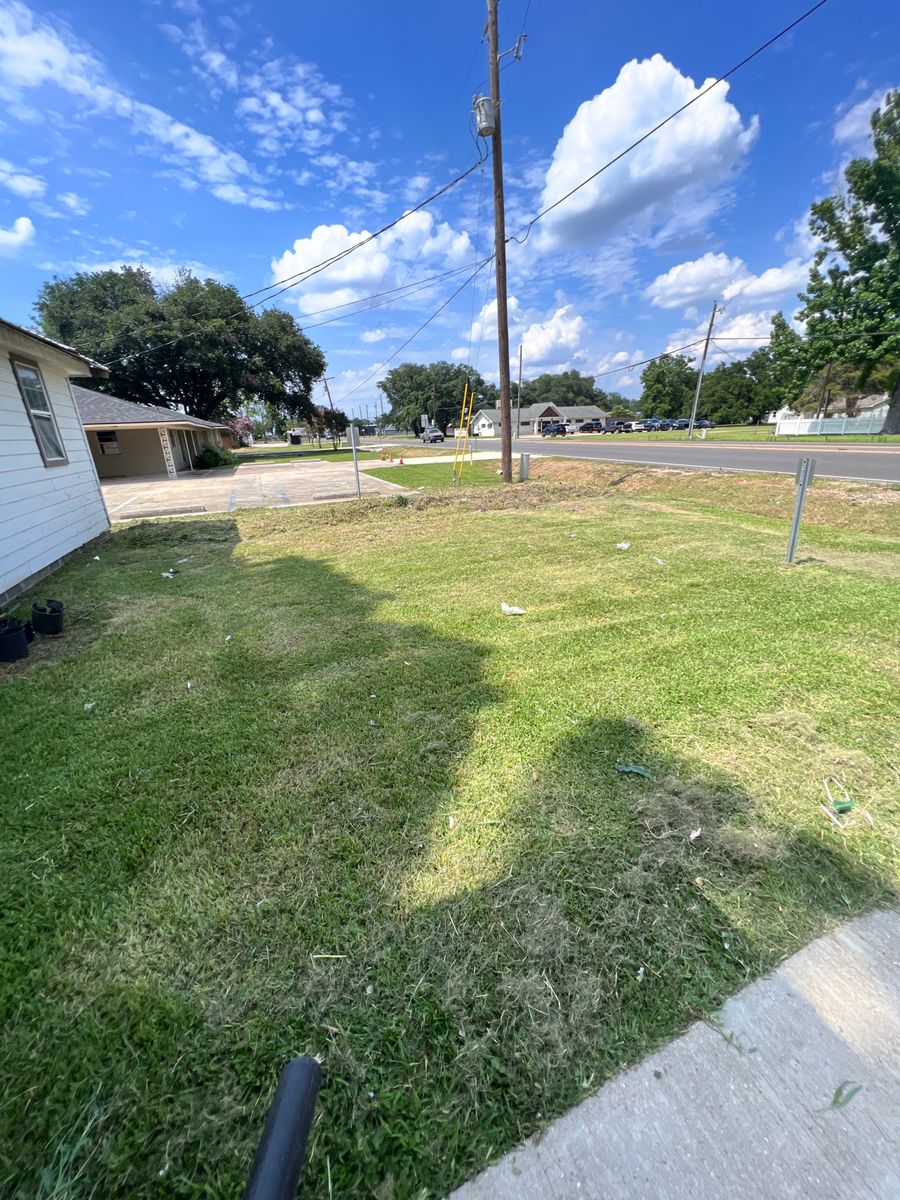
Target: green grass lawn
x=282 y=453
x=751 y=433
x=317 y=794
x=440 y=475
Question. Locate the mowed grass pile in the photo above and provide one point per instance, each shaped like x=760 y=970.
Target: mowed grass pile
x=316 y=794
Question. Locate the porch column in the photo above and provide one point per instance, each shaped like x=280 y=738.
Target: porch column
x=168 y=457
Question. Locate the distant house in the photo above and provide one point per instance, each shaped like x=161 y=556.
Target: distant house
x=50 y=499
x=142 y=439
x=533 y=418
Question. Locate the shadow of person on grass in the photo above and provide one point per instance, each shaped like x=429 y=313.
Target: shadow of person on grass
x=263 y=765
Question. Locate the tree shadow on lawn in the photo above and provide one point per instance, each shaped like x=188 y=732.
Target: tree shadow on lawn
x=266 y=865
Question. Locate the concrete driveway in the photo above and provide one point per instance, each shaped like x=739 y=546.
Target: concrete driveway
x=250 y=485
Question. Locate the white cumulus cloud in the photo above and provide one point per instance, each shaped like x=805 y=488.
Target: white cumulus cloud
x=718 y=277
x=676 y=174
x=20 y=233
x=379 y=265
x=703 y=279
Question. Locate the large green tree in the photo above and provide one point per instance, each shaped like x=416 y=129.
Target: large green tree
x=738 y=393
x=412 y=389
x=195 y=344
x=561 y=388
x=789 y=364
x=667 y=387
x=852 y=302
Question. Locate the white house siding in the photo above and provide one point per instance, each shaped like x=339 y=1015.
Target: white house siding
x=45 y=512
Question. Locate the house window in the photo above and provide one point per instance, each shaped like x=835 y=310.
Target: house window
x=109 y=441
x=37 y=405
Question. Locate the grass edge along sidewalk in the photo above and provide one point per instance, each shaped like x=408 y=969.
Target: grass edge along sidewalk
x=315 y=792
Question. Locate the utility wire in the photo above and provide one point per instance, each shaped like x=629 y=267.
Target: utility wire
x=289 y=281
x=671 y=117
x=394 y=299
x=644 y=361
x=412 y=336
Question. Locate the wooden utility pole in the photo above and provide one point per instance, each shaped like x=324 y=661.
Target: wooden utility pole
x=500 y=248
x=700 y=375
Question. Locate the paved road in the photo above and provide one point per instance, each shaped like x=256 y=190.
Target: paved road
x=852 y=462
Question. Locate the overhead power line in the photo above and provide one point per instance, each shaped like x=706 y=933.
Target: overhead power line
x=290 y=281
x=413 y=336
x=644 y=361
x=671 y=117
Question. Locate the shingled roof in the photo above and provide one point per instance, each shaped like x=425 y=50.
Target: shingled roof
x=96 y=408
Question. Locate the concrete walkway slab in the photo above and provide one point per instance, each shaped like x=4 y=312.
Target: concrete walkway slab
x=249 y=485
x=744 y=1112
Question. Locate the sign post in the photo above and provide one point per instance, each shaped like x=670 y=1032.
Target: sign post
x=353 y=439
x=805 y=471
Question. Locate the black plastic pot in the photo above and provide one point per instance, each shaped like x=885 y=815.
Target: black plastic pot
x=48 y=623
x=13 y=641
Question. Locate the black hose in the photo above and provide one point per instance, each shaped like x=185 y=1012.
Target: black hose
x=279 y=1157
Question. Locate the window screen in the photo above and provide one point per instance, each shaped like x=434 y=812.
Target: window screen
x=43 y=422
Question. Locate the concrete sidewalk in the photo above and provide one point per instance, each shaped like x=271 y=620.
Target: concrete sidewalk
x=745 y=1112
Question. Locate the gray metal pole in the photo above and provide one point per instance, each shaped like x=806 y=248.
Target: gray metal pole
x=805 y=472
x=519 y=397
x=353 y=433
x=700 y=376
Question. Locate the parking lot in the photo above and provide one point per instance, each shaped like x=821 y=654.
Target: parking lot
x=249 y=485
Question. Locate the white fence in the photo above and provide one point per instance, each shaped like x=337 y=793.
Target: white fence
x=796 y=425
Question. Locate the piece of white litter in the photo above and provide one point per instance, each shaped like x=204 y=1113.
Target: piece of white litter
x=90 y=704
x=184 y=560
x=660 y=561
x=406 y=664
x=228 y=637
x=451 y=820
x=694 y=834
x=511 y=610
x=167 y=575
x=623 y=545
x=640 y=975
x=369 y=990
x=371 y=695
x=190 y=685
x=371 y=722
x=96 y=558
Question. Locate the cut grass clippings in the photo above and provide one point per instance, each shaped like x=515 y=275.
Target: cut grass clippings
x=384 y=823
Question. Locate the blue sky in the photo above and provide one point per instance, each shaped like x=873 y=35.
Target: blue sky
x=249 y=141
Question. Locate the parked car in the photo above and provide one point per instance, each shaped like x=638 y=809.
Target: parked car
x=554 y=429
x=681 y=423
x=632 y=427
x=615 y=427
x=432 y=435
x=591 y=427
x=704 y=424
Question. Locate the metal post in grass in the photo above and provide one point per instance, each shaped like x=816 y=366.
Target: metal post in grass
x=805 y=470
x=524 y=463
x=279 y=1156
x=353 y=439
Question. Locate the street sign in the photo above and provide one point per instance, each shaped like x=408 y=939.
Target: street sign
x=424 y=420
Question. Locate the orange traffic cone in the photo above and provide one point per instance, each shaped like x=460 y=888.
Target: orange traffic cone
x=382 y=456
x=391 y=459
x=401 y=460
